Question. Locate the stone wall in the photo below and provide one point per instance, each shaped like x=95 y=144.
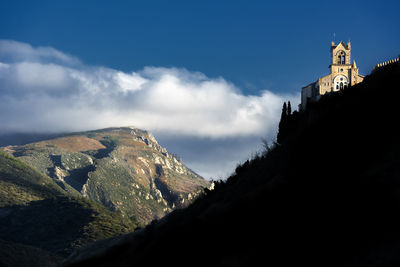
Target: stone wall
x=387 y=63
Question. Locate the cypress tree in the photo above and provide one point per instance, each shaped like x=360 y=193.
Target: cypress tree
x=282 y=124
x=284 y=112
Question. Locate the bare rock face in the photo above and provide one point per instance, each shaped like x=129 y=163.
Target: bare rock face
x=125 y=169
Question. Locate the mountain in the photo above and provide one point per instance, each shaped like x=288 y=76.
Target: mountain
x=327 y=195
x=18 y=138
x=124 y=169
x=40 y=223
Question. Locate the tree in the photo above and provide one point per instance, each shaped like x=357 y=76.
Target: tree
x=287 y=123
x=284 y=112
x=282 y=124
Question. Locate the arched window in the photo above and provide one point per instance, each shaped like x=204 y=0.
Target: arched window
x=340 y=81
x=342 y=58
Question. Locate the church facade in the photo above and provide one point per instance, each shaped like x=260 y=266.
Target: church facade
x=343 y=73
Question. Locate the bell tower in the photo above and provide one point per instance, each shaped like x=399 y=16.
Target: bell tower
x=342 y=74
x=341 y=67
x=340 y=54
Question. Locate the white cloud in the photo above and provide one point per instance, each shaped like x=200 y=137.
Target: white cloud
x=43 y=89
x=16 y=51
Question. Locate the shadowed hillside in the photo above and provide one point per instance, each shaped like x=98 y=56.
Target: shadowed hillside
x=328 y=195
x=40 y=223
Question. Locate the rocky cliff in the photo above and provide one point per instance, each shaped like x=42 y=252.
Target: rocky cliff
x=125 y=169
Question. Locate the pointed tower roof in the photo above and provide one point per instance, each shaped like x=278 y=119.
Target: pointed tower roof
x=354 y=65
x=340 y=45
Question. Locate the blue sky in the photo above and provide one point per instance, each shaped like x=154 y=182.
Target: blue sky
x=275 y=45
x=208 y=78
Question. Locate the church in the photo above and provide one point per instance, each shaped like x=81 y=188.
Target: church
x=343 y=73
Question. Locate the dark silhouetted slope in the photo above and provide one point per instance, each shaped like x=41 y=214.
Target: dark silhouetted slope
x=12 y=254
x=328 y=195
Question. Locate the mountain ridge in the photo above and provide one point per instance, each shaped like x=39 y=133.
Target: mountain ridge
x=122 y=168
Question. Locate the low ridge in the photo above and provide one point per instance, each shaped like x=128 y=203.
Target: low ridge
x=40 y=223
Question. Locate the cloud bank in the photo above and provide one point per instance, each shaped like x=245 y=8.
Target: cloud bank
x=45 y=90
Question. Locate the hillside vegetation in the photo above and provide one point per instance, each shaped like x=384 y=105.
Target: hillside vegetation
x=327 y=195
x=40 y=223
x=124 y=169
